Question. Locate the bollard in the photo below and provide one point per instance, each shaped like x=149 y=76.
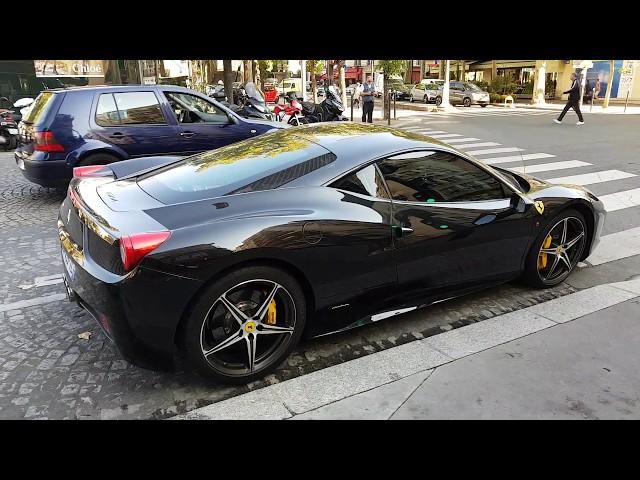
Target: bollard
x=389 y=108
x=352 y=106
x=394 y=107
x=626 y=102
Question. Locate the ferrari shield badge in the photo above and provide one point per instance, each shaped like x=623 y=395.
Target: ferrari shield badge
x=539 y=206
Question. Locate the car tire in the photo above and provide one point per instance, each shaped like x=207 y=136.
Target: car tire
x=466 y=102
x=483 y=105
x=97 y=159
x=438 y=101
x=538 y=277
x=231 y=363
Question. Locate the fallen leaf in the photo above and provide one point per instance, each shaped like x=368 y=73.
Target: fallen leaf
x=85 y=335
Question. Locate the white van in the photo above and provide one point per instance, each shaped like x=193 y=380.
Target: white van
x=290 y=85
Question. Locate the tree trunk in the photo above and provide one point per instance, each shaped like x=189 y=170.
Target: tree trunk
x=445 y=90
x=494 y=70
x=255 y=74
x=246 y=71
x=314 y=84
x=540 y=84
x=464 y=71
x=330 y=72
x=343 y=86
x=607 y=95
x=112 y=72
x=228 y=80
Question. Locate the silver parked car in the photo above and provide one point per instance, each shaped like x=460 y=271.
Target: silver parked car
x=424 y=92
x=464 y=93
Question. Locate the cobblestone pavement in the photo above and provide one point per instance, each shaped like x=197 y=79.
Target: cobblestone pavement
x=47 y=371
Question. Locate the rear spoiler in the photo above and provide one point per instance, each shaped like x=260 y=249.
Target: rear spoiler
x=125 y=168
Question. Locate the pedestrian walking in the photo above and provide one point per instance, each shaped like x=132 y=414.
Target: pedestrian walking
x=573 y=101
x=368 y=91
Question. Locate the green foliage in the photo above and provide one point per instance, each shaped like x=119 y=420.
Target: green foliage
x=392 y=67
x=482 y=84
x=502 y=85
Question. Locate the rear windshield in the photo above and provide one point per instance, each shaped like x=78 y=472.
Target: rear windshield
x=40 y=107
x=262 y=163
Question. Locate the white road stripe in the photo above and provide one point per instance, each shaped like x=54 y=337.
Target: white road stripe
x=476 y=145
x=620 y=200
x=495 y=150
x=591 y=178
x=429 y=132
x=466 y=139
x=544 y=167
x=516 y=158
x=446 y=135
x=33 y=301
x=616 y=246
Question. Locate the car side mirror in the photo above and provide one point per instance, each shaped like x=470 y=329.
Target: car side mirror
x=519 y=203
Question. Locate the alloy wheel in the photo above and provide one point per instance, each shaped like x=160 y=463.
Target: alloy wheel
x=247 y=327
x=561 y=249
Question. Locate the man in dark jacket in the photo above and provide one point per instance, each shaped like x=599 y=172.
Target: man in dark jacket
x=573 y=102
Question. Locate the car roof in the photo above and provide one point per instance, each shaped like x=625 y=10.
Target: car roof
x=355 y=144
x=119 y=88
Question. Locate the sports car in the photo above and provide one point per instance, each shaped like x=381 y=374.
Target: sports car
x=234 y=255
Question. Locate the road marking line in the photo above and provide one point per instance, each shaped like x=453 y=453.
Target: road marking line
x=616 y=246
x=467 y=139
x=495 y=150
x=591 y=178
x=516 y=158
x=427 y=132
x=48 y=277
x=481 y=144
x=545 y=167
x=322 y=387
x=446 y=135
x=33 y=301
x=620 y=200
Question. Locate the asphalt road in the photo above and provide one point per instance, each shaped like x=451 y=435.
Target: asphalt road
x=46 y=371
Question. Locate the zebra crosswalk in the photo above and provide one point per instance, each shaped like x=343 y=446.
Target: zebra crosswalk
x=490 y=110
x=555 y=169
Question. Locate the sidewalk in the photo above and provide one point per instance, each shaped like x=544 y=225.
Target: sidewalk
x=572 y=357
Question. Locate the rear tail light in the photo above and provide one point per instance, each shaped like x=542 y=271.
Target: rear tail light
x=46 y=142
x=91 y=171
x=133 y=248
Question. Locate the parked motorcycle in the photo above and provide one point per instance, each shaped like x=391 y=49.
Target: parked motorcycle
x=249 y=101
x=291 y=112
x=8 y=128
x=329 y=110
x=21 y=108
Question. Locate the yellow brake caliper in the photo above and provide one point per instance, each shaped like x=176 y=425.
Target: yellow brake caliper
x=271 y=313
x=542 y=258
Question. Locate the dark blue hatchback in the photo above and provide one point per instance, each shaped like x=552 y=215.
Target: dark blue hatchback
x=66 y=128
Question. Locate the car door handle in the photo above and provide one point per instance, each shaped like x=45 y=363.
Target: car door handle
x=116 y=135
x=402 y=231
x=187 y=134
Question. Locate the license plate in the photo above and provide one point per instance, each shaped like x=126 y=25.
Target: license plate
x=69 y=266
x=13 y=131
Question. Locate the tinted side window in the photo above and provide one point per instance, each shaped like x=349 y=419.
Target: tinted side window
x=366 y=182
x=192 y=109
x=139 y=108
x=106 y=111
x=438 y=177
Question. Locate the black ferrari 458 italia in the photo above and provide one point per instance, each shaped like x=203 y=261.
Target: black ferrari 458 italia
x=233 y=255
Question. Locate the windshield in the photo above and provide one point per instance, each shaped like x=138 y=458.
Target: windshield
x=474 y=87
x=260 y=163
x=253 y=92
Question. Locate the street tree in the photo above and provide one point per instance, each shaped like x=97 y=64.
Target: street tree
x=607 y=95
x=228 y=80
x=389 y=69
x=315 y=67
x=343 y=86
